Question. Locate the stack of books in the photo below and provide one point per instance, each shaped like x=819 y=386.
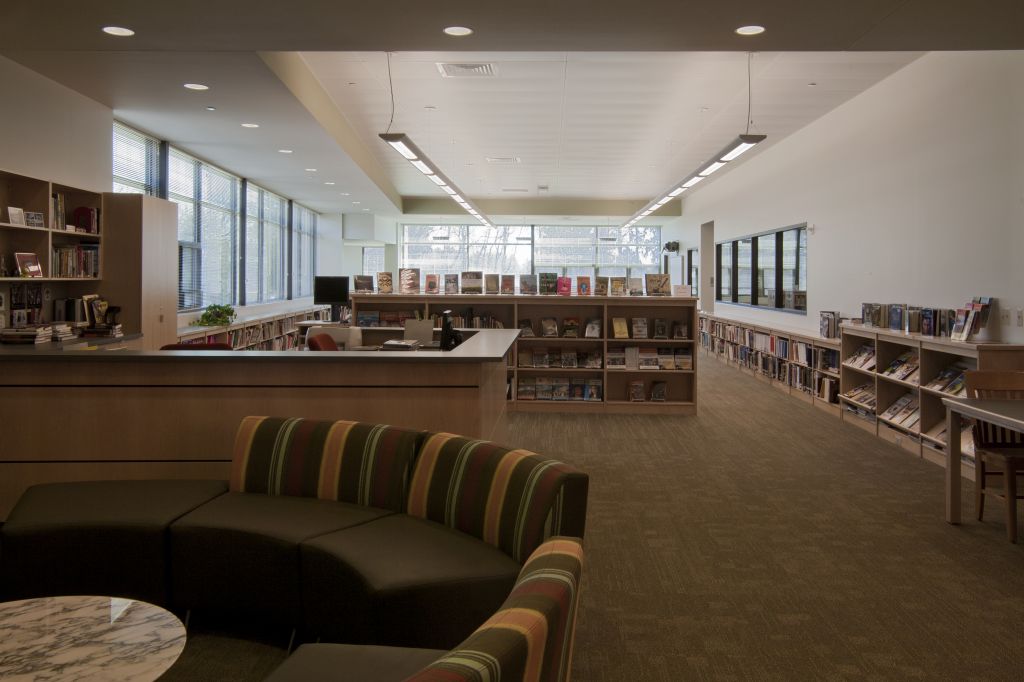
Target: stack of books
x=102 y=331
x=38 y=334
x=62 y=332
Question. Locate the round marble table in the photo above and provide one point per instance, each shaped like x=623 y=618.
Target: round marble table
x=87 y=638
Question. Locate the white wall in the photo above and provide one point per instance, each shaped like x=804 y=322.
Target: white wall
x=330 y=256
x=915 y=189
x=50 y=132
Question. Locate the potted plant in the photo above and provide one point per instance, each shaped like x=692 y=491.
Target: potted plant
x=216 y=315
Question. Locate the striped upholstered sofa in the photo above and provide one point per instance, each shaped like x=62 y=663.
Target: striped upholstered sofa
x=347 y=532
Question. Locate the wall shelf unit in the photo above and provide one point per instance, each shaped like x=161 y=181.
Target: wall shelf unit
x=539 y=363
x=279 y=331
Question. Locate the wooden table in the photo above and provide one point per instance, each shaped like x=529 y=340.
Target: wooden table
x=1006 y=413
x=87 y=638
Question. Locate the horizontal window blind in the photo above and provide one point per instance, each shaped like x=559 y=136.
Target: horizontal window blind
x=303 y=250
x=136 y=161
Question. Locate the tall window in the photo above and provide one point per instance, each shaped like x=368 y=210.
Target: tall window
x=208 y=218
x=773 y=265
x=136 y=161
x=522 y=249
x=303 y=250
x=266 y=221
x=373 y=261
x=693 y=271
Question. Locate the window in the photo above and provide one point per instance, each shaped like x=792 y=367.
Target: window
x=208 y=215
x=373 y=261
x=303 y=250
x=266 y=222
x=693 y=271
x=772 y=265
x=136 y=161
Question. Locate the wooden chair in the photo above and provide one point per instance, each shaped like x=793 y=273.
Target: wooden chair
x=995 y=446
x=321 y=342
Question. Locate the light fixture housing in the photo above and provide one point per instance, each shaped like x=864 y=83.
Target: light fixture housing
x=752 y=30
x=119 y=31
x=401 y=143
x=196 y=86
x=737 y=147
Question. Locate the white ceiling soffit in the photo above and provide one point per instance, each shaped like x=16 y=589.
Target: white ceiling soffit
x=598 y=125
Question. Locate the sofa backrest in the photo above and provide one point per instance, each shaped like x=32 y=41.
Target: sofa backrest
x=367 y=464
x=530 y=638
x=512 y=499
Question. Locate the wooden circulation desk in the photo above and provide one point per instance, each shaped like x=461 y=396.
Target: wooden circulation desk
x=105 y=415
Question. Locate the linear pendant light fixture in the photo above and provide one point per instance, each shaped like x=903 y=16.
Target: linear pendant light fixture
x=401 y=143
x=738 y=146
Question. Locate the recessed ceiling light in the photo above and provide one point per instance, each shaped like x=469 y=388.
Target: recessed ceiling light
x=196 y=86
x=211 y=108
x=811 y=85
x=458 y=31
x=250 y=125
x=750 y=30
x=357 y=202
x=366 y=209
x=328 y=183
x=345 y=194
x=285 y=151
x=311 y=170
x=119 y=31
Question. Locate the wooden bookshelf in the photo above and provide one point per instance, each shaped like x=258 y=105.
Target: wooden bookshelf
x=279 y=331
x=507 y=311
x=795 y=362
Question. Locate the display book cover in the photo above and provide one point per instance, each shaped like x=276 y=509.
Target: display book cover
x=564 y=286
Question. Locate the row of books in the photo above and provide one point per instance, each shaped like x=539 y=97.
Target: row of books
x=570 y=328
x=906 y=367
x=648 y=358
x=862 y=358
x=34 y=334
x=560 y=388
x=637 y=394
x=568 y=358
x=863 y=394
x=958 y=324
x=82 y=219
x=545 y=283
x=638 y=329
x=904 y=411
x=76 y=261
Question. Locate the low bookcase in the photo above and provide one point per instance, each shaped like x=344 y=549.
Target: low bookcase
x=279 y=331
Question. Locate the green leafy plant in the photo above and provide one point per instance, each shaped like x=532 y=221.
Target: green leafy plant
x=216 y=316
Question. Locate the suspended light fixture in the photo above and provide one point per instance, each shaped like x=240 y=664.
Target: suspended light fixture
x=401 y=143
x=734 y=150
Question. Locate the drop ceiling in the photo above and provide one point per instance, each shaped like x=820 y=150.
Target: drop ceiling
x=593 y=99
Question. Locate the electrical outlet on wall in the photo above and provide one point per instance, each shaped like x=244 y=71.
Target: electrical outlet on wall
x=1020 y=317
x=1004 y=318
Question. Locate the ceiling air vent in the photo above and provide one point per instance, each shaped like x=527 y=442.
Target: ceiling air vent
x=503 y=160
x=467 y=69
x=514 y=189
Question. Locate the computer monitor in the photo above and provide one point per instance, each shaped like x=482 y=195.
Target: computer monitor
x=332 y=291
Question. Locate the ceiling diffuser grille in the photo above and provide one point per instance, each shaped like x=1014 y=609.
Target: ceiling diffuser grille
x=467 y=69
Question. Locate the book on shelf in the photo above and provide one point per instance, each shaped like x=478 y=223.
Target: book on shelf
x=527 y=389
x=863 y=358
x=473 y=282
x=508 y=284
x=682 y=290
x=577 y=389
x=897 y=407
x=451 y=283
x=564 y=286
x=544 y=388
x=368 y=318
x=492 y=284
x=568 y=359
x=897 y=313
x=526 y=328
x=635 y=285
x=548 y=283
x=595 y=390
x=959 y=332
x=409 y=280
x=902 y=366
x=680 y=330
x=618 y=286
x=636 y=391
x=905 y=411
x=600 y=286
x=541 y=358
x=660 y=328
x=658 y=284
x=639 y=327
x=27 y=335
x=615 y=358
x=928 y=321
x=548 y=326
x=560 y=388
x=432 y=285
x=647 y=358
x=659 y=391
x=583 y=285
x=593 y=328
x=912 y=323
x=619 y=328
x=400 y=344
x=384 y=283
x=957 y=386
x=524 y=357
x=590 y=359
x=666 y=359
x=571 y=327
x=364 y=284
x=828 y=324
x=632 y=357
x=684 y=359
x=528 y=284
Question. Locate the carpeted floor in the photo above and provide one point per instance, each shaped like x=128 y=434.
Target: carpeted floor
x=761 y=540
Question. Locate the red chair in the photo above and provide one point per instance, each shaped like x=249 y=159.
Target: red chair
x=321 y=342
x=197 y=346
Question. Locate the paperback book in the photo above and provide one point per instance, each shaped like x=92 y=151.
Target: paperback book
x=548 y=283
x=432 y=286
x=508 y=284
x=658 y=284
x=583 y=285
x=659 y=391
x=660 y=328
x=618 y=286
x=451 y=284
x=364 y=284
x=548 y=327
x=600 y=286
x=409 y=280
x=595 y=390
x=619 y=328
x=636 y=391
x=571 y=327
x=473 y=282
x=525 y=328
x=636 y=286
x=564 y=286
x=639 y=327
x=384 y=283
x=593 y=330
x=528 y=284
x=491 y=283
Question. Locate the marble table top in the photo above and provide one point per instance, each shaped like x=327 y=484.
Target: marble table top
x=87 y=638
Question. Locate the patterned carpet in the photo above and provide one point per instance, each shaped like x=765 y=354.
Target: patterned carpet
x=761 y=540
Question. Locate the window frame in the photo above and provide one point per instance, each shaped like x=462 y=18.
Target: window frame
x=780 y=296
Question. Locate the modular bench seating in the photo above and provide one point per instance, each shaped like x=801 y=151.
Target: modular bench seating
x=357 y=533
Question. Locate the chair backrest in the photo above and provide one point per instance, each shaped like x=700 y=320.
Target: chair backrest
x=530 y=638
x=511 y=499
x=998 y=385
x=197 y=346
x=321 y=342
x=344 y=337
x=367 y=464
